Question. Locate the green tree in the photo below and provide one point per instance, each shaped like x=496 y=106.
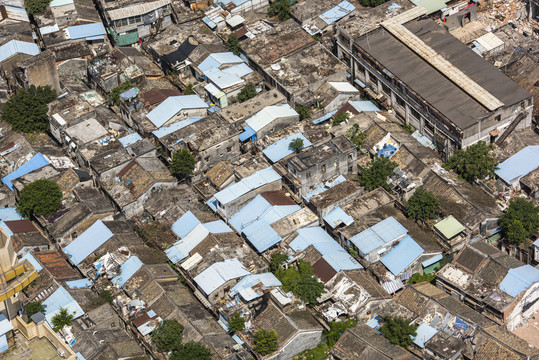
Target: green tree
x=417 y=278
x=233 y=44
x=355 y=136
x=303 y=112
x=189 y=90
x=398 y=331
x=39 y=198
x=527 y=215
x=61 y=319
x=37 y=7
x=371 y=3
x=320 y=352
x=476 y=162
x=340 y=118
x=296 y=145
x=236 y=322
x=337 y=329
x=191 y=351
x=265 y=341
x=277 y=260
x=281 y=9
x=309 y=289
x=422 y=205
x=114 y=96
x=183 y=162
x=107 y=296
x=301 y=282
x=168 y=335
x=248 y=92
x=26 y=111
x=375 y=174
x=34 y=307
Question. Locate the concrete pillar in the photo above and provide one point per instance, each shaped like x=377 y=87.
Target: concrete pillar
x=406 y=113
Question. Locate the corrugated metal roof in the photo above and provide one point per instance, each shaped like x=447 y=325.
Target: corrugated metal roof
x=402 y=255
x=331 y=251
x=129 y=93
x=130 y=139
x=361 y=106
x=16 y=13
x=432 y=260
x=55 y=3
x=431 y=5
x=10 y=214
x=258 y=179
x=185 y=224
x=86 y=31
x=216 y=60
x=138 y=9
x=235 y=20
x=5 y=324
x=181 y=249
x=449 y=227
x=218 y=274
x=343 y=86
x=173 y=105
x=337 y=217
x=519 y=279
x=326 y=186
x=248 y=133
x=61 y=299
x=423 y=334
x=261 y=235
x=280 y=149
x=337 y=13
x=260 y=209
x=386 y=231
x=519 y=165
x=88 y=242
x=48 y=29
x=393 y=286
x=127 y=270
x=36 y=162
x=217 y=227
x=79 y=284
x=28 y=256
x=222 y=79
x=18 y=47
x=172 y=128
x=324 y=118
x=266 y=279
x=268 y=114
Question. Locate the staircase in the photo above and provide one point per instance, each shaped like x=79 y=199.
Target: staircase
x=510 y=128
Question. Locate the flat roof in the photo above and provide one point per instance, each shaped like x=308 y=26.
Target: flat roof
x=444 y=95
x=449 y=227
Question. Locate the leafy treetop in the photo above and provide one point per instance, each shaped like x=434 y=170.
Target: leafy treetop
x=371 y=3
x=520 y=220
x=34 y=307
x=422 y=205
x=114 y=96
x=191 y=351
x=37 y=7
x=337 y=329
x=40 y=198
x=301 y=282
x=277 y=260
x=375 y=174
x=296 y=145
x=476 y=162
x=61 y=319
x=233 y=44
x=248 y=92
x=236 y=322
x=303 y=112
x=340 y=118
x=355 y=136
x=281 y=9
x=265 y=341
x=183 y=162
x=26 y=111
x=168 y=335
x=189 y=90
x=398 y=331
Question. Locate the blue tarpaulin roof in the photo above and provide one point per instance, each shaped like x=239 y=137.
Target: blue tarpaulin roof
x=61 y=299
x=423 y=334
x=18 y=47
x=387 y=151
x=247 y=134
x=127 y=270
x=337 y=217
x=130 y=139
x=88 y=242
x=258 y=179
x=218 y=274
x=28 y=256
x=93 y=31
x=331 y=251
x=519 y=165
x=519 y=279
x=173 y=105
x=324 y=118
x=280 y=149
x=386 y=231
x=36 y=162
x=402 y=255
x=337 y=13
x=432 y=260
x=78 y=284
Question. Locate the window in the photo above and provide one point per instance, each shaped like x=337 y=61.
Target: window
x=414 y=113
x=308 y=174
x=351 y=156
x=207 y=158
x=498 y=117
x=529 y=102
x=323 y=168
x=400 y=101
x=229 y=149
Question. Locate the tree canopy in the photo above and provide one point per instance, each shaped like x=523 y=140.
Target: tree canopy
x=520 y=220
x=303 y=112
x=114 y=95
x=355 y=136
x=236 y=322
x=248 y=92
x=277 y=260
x=340 y=118
x=191 y=351
x=189 y=90
x=281 y=9
x=37 y=7
x=61 y=319
x=34 y=307
x=183 y=162
x=168 y=335
x=265 y=341
x=398 y=331
x=26 y=111
x=371 y=3
x=296 y=145
x=375 y=174
x=40 y=198
x=233 y=44
x=422 y=205
x=476 y=162
x=337 y=329
x=301 y=282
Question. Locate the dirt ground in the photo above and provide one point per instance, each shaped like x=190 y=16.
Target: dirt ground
x=530 y=333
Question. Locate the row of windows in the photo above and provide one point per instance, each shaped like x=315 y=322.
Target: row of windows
x=128 y=21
